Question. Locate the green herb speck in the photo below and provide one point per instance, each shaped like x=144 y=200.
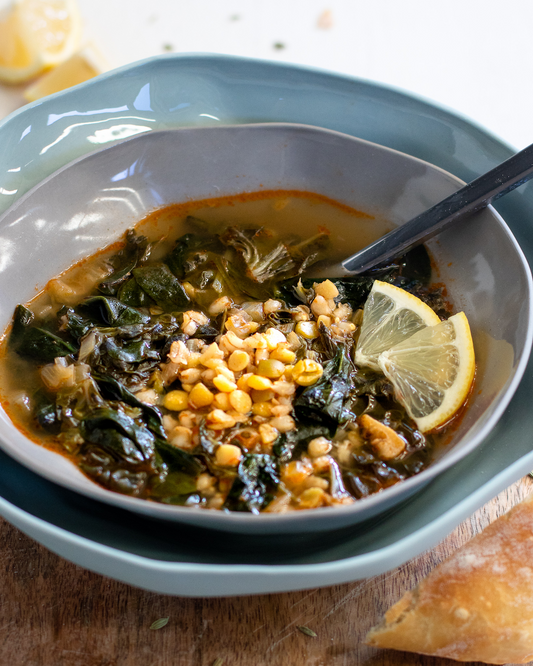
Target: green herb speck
x=159 y=624
x=306 y=631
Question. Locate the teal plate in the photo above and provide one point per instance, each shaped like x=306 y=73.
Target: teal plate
x=187 y=90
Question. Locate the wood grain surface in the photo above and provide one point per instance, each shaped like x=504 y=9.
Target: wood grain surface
x=54 y=613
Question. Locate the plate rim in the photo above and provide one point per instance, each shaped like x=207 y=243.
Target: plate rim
x=507 y=475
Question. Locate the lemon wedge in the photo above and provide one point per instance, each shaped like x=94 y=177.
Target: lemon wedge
x=432 y=371
x=82 y=66
x=390 y=315
x=36 y=35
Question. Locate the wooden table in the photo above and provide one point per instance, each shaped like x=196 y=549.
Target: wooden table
x=54 y=613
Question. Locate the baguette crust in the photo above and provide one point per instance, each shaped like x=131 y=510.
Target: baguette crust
x=475 y=606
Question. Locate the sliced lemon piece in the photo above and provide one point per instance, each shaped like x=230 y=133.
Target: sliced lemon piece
x=432 y=371
x=16 y=60
x=80 y=67
x=390 y=315
x=36 y=35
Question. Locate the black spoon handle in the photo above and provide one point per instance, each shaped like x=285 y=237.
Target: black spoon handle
x=479 y=193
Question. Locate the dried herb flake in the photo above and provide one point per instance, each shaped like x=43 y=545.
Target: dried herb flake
x=306 y=631
x=159 y=624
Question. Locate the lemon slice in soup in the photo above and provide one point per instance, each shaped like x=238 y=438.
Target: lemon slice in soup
x=390 y=315
x=432 y=371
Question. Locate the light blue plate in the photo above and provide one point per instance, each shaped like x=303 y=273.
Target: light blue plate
x=175 y=91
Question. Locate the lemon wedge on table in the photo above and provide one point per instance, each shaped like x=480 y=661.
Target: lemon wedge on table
x=390 y=315
x=432 y=371
x=36 y=35
x=82 y=66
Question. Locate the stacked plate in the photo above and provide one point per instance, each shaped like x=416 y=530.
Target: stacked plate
x=204 y=90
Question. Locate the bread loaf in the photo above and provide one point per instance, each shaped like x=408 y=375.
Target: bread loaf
x=475 y=606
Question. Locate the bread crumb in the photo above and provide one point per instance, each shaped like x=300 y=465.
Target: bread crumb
x=325 y=20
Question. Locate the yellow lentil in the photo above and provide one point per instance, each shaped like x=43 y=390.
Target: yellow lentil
x=200 y=396
x=259 y=383
x=238 y=360
x=228 y=455
x=272 y=369
x=307 y=329
x=307 y=372
x=240 y=401
x=176 y=400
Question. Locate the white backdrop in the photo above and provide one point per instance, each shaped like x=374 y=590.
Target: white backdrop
x=472 y=56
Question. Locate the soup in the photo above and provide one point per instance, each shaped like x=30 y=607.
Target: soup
x=194 y=363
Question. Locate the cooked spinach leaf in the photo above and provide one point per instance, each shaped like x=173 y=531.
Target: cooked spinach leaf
x=46 y=412
x=112 y=389
x=325 y=402
x=41 y=345
x=130 y=293
x=290 y=444
x=192 y=253
x=111 y=427
x=112 y=312
x=73 y=322
x=256 y=482
x=178 y=460
x=176 y=488
x=134 y=252
x=162 y=286
x=22 y=318
x=35 y=342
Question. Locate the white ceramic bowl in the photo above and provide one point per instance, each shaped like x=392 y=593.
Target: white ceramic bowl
x=89 y=203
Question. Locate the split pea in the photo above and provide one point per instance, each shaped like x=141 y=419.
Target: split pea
x=176 y=400
x=240 y=401
x=307 y=372
x=271 y=368
x=259 y=383
x=200 y=396
x=238 y=360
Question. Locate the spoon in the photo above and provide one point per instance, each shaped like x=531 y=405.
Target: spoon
x=474 y=196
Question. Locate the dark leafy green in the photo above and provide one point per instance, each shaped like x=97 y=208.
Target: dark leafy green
x=114 y=390
x=130 y=293
x=193 y=252
x=108 y=425
x=112 y=312
x=256 y=482
x=325 y=401
x=290 y=444
x=46 y=412
x=35 y=342
x=178 y=460
x=135 y=251
x=176 y=488
x=22 y=319
x=162 y=286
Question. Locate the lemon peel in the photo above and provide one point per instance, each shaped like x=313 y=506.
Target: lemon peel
x=432 y=371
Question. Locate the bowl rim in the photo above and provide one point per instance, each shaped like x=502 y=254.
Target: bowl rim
x=243 y=521
x=236 y=60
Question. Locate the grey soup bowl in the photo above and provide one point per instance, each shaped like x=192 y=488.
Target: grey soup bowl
x=89 y=203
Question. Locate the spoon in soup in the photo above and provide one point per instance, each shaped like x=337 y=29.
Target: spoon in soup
x=471 y=198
